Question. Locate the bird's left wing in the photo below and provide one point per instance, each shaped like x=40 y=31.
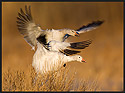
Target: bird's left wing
x=27 y=27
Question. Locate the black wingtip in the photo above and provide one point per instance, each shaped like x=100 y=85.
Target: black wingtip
x=92 y=24
x=69 y=52
x=80 y=45
x=98 y=22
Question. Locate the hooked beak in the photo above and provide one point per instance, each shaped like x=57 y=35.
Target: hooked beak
x=83 y=60
x=76 y=34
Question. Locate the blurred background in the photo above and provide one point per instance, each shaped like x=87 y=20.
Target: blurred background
x=104 y=56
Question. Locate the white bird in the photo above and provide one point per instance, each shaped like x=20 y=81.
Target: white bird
x=45 y=60
x=32 y=32
x=57 y=55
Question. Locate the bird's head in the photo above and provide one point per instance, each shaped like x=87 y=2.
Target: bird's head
x=79 y=58
x=72 y=33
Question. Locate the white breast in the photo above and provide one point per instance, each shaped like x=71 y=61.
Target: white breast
x=47 y=61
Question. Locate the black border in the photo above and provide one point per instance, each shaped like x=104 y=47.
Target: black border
x=1 y=46
x=123 y=46
x=62 y=1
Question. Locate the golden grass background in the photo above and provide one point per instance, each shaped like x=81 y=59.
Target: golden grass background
x=104 y=56
x=58 y=80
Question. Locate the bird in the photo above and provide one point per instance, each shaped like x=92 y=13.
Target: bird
x=58 y=54
x=33 y=33
x=45 y=61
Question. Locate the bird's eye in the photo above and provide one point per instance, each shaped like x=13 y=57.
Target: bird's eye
x=79 y=57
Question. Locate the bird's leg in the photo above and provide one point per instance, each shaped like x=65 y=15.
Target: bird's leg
x=46 y=46
x=65 y=37
x=64 y=65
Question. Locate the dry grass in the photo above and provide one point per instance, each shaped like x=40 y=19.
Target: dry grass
x=53 y=81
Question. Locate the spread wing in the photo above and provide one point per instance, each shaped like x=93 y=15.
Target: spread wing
x=80 y=45
x=27 y=27
x=89 y=27
x=77 y=45
x=69 y=52
x=85 y=28
x=66 y=48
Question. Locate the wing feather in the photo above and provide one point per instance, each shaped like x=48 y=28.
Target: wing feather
x=27 y=27
x=89 y=27
x=69 y=52
x=65 y=47
x=80 y=45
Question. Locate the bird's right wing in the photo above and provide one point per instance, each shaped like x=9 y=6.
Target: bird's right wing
x=66 y=48
x=27 y=27
x=85 y=28
x=69 y=52
x=80 y=45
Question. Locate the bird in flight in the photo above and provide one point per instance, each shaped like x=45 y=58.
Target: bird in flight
x=33 y=33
